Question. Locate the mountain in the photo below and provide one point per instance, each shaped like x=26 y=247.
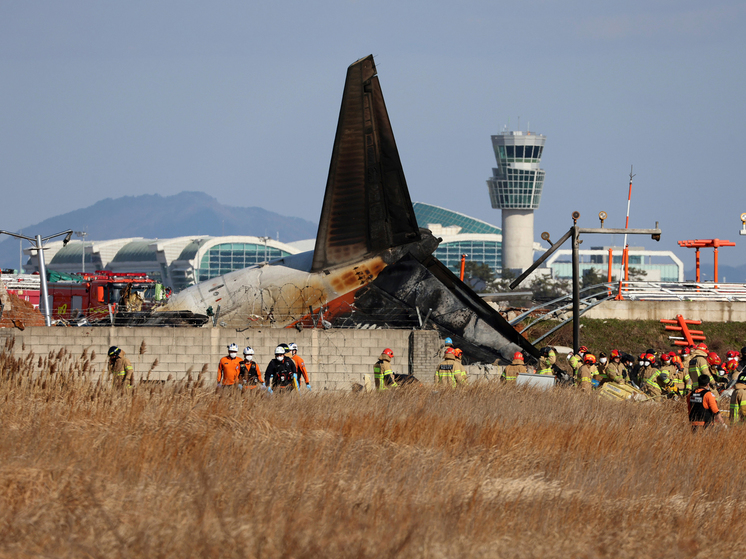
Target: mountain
x=160 y=217
x=728 y=274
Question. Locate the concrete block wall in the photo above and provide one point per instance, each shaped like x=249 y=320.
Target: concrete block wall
x=335 y=358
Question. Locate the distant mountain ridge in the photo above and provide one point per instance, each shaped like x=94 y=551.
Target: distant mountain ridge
x=154 y=216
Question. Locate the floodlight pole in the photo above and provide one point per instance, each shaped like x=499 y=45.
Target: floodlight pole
x=38 y=240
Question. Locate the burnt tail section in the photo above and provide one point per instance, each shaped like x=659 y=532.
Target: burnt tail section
x=366 y=207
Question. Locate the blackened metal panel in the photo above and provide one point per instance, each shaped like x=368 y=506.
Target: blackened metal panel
x=366 y=204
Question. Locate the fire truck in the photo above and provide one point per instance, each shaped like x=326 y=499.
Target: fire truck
x=96 y=295
x=25 y=286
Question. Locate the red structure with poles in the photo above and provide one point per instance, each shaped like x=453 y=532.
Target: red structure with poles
x=704 y=243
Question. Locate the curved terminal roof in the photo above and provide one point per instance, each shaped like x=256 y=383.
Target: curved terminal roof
x=427 y=213
x=136 y=251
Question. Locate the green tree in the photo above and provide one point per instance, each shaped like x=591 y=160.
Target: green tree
x=545 y=288
x=479 y=275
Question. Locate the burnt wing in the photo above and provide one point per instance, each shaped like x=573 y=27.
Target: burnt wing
x=366 y=207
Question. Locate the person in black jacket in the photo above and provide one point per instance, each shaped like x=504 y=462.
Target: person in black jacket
x=281 y=373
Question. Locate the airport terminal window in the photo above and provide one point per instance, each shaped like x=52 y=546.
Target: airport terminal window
x=510 y=151
x=226 y=258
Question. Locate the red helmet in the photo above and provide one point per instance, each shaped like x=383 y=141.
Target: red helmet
x=589 y=358
x=713 y=358
x=642 y=357
x=731 y=354
x=518 y=355
x=702 y=346
x=388 y=352
x=582 y=349
x=666 y=356
x=676 y=359
x=650 y=357
x=615 y=353
x=450 y=351
x=686 y=351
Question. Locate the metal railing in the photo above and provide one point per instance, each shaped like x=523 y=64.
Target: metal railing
x=684 y=291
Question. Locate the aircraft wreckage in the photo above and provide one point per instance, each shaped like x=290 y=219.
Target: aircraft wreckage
x=370 y=257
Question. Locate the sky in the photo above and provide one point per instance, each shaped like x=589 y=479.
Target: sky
x=241 y=99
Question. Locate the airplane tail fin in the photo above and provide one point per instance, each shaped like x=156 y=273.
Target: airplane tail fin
x=367 y=207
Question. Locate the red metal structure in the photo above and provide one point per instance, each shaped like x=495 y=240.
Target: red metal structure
x=703 y=243
x=690 y=336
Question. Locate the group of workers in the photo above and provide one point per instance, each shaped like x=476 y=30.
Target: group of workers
x=283 y=373
x=693 y=372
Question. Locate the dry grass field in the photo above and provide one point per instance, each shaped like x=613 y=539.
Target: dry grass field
x=489 y=471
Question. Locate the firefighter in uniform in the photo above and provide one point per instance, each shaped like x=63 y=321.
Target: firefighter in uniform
x=444 y=373
x=459 y=374
x=649 y=376
x=675 y=376
x=547 y=359
x=702 y=405
x=120 y=368
x=228 y=368
x=585 y=373
x=738 y=400
x=510 y=373
x=249 y=374
x=576 y=361
x=601 y=377
x=382 y=373
x=615 y=370
x=698 y=364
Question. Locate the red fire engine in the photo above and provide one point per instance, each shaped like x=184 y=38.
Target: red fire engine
x=93 y=296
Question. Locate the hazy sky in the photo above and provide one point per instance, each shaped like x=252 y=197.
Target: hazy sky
x=240 y=99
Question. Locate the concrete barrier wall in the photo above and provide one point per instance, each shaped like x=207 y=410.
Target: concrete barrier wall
x=334 y=358
x=706 y=311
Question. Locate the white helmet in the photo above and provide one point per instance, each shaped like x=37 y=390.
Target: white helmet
x=279 y=350
x=293 y=347
x=248 y=351
x=233 y=347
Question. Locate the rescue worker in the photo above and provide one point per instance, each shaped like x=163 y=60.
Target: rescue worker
x=601 y=377
x=742 y=360
x=648 y=376
x=738 y=400
x=682 y=374
x=459 y=374
x=445 y=369
x=586 y=372
x=120 y=368
x=382 y=373
x=698 y=364
x=229 y=367
x=300 y=365
x=731 y=367
x=547 y=358
x=702 y=406
x=510 y=373
x=716 y=370
x=249 y=374
x=576 y=361
x=678 y=382
x=281 y=374
x=615 y=370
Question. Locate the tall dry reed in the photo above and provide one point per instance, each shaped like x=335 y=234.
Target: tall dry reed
x=176 y=470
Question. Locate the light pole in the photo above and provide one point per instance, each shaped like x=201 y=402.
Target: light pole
x=82 y=235
x=38 y=240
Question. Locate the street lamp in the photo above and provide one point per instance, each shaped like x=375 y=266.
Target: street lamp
x=44 y=301
x=82 y=235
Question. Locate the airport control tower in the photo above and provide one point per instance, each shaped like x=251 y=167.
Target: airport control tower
x=515 y=188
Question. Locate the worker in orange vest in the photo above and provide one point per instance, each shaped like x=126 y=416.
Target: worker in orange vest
x=300 y=365
x=229 y=368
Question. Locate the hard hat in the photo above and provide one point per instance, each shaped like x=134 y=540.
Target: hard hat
x=279 y=350
x=642 y=357
x=731 y=354
x=713 y=358
x=518 y=355
x=589 y=358
x=448 y=341
x=285 y=347
x=702 y=346
x=665 y=356
x=449 y=351
x=664 y=377
x=293 y=346
x=233 y=347
x=545 y=351
x=615 y=353
x=582 y=349
x=686 y=351
x=388 y=352
x=650 y=357
x=457 y=352
x=114 y=351
x=248 y=351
